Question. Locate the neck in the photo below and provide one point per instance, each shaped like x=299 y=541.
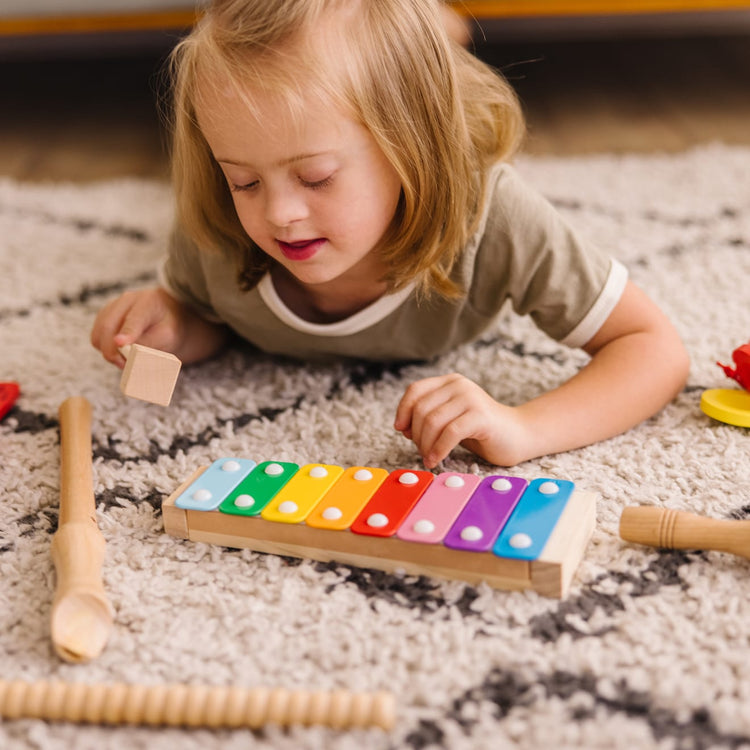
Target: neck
x=325 y=303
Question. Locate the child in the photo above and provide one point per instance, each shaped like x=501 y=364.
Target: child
x=342 y=191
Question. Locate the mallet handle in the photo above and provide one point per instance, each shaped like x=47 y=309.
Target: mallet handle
x=81 y=613
x=193 y=705
x=76 y=478
x=672 y=529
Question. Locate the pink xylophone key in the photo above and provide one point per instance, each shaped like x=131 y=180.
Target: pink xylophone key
x=438 y=508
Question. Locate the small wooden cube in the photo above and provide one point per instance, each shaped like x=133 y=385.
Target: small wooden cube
x=149 y=374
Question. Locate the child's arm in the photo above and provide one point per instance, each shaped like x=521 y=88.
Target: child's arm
x=638 y=365
x=154 y=318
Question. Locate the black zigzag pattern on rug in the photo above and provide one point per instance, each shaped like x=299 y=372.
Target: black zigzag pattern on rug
x=646 y=649
x=504 y=690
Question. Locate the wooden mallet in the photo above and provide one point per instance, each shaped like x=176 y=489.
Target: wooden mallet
x=673 y=529
x=82 y=620
x=82 y=616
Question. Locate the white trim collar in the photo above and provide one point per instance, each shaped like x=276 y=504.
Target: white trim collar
x=371 y=314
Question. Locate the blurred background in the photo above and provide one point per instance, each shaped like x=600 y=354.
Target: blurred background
x=80 y=83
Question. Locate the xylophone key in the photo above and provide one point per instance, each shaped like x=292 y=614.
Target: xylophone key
x=220 y=478
x=485 y=514
x=301 y=493
x=346 y=498
x=429 y=520
x=391 y=503
x=258 y=488
x=534 y=519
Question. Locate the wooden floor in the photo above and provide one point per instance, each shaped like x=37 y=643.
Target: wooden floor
x=95 y=118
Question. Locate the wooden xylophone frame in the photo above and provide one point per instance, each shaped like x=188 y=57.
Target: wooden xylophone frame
x=550 y=574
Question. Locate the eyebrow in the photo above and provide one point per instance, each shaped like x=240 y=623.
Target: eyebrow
x=282 y=163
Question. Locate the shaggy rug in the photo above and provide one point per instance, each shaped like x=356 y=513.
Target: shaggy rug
x=648 y=650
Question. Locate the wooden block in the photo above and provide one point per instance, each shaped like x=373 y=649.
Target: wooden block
x=149 y=374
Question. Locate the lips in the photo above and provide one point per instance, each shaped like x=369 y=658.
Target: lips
x=301 y=250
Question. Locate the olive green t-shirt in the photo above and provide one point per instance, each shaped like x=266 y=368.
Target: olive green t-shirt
x=523 y=253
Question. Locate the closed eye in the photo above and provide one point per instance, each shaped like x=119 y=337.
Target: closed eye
x=243 y=188
x=317 y=184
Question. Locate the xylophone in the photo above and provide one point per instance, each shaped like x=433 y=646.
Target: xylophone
x=507 y=531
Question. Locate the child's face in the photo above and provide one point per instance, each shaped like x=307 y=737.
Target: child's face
x=316 y=195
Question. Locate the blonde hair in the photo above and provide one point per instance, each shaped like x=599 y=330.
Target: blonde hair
x=440 y=116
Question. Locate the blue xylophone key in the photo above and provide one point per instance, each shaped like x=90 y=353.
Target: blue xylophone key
x=533 y=520
x=213 y=485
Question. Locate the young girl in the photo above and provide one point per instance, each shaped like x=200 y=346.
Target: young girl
x=342 y=191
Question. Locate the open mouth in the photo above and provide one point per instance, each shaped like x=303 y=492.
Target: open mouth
x=301 y=250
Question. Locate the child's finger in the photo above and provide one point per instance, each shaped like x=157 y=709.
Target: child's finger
x=107 y=323
x=136 y=321
x=405 y=408
x=435 y=424
x=414 y=397
x=454 y=432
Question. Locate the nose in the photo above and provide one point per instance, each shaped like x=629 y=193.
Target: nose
x=284 y=206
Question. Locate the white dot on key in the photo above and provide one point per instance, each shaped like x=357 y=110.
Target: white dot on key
x=244 y=501
x=471 y=533
x=501 y=484
x=377 y=520
x=454 y=481
x=548 y=488
x=318 y=472
x=202 y=496
x=423 y=526
x=363 y=475
x=520 y=541
x=273 y=470
x=408 y=478
x=230 y=466
x=332 y=513
x=288 y=506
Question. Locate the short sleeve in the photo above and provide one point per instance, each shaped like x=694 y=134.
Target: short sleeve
x=183 y=275
x=529 y=254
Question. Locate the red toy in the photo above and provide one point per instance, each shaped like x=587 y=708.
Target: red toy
x=741 y=371
x=8 y=395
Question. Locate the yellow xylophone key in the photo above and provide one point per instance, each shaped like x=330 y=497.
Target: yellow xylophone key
x=346 y=498
x=301 y=493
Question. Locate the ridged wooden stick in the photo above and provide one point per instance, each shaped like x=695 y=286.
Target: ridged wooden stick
x=82 y=616
x=672 y=529
x=193 y=705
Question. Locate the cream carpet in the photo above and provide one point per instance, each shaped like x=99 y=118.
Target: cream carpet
x=650 y=649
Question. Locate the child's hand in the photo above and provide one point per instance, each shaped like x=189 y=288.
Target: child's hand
x=150 y=317
x=638 y=364
x=154 y=318
x=442 y=412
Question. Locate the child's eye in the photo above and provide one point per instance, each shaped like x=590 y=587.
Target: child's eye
x=317 y=184
x=243 y=188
